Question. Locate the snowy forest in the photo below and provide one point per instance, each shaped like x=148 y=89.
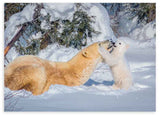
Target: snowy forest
x=57 y=32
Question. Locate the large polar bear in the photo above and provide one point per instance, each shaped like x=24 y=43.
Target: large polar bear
x=36 y=75
x=121 y=74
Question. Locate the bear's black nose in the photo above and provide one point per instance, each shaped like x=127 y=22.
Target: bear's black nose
x=114 y=44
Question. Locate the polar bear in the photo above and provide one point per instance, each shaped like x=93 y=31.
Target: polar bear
x=121 y=74
x=36 y=75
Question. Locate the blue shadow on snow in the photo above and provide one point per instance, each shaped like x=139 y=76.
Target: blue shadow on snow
x=91 y=82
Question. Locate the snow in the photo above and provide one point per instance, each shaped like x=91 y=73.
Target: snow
x=97 y=93
x=102 y=22
x=146 y=32
x=125 y=24
x=37 y=35
x=17 y=19
x=44 y=25
x=59 y=10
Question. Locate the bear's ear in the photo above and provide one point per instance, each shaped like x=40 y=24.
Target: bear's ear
x=85 y=53
x=100 y=44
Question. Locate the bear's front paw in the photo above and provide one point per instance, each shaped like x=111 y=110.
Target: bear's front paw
x=103 y=51
x=115 y=87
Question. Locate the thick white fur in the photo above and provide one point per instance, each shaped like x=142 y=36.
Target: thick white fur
x=121 y=74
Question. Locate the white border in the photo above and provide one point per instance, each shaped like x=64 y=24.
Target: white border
x=82 y=1
x=88 y=1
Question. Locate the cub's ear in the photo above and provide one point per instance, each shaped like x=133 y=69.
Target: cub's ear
x=85 y=53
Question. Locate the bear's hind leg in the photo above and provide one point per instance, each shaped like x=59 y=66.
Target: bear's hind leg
x=32 y=78
x=38 y=81
x=46 y=87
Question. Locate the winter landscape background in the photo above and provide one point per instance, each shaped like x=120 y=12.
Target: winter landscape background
x=96 y=94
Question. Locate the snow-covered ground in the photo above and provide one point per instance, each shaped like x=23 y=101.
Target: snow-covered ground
x=96 y=94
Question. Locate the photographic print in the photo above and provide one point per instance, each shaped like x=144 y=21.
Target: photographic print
x=79 y=57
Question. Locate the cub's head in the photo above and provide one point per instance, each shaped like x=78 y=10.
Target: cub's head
x=120 y=47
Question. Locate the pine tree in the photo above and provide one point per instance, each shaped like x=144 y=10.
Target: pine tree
x=144 y=11
x=70 y=33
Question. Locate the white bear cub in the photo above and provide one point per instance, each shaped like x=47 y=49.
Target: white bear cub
x=121 y=74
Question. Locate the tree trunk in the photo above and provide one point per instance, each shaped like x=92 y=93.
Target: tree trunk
x=16 y=37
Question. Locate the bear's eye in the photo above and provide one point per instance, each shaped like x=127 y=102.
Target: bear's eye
x=119 y=43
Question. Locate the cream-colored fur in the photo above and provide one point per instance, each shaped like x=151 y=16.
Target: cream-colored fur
x=36 y=75
x=121 y=74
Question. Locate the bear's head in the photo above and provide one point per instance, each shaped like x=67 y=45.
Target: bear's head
x=120 y=47
x=92 y=50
